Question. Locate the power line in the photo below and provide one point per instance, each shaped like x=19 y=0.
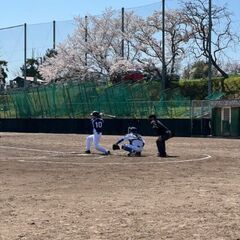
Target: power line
x=12 y=27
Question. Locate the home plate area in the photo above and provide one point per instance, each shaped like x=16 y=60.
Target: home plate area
x=37 y=155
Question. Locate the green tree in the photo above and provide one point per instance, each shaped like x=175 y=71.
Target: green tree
x=198 y=70
x=32 y=66
x=49 y=53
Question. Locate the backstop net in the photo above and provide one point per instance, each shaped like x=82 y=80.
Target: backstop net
x=77 y=99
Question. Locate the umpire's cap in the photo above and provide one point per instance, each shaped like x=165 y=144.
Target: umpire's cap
x=95 y=114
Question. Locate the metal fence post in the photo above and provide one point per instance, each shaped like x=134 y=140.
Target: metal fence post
x=210 y=48
x=163 y=47
x=123 y=14
x=86 y=38
x=54 y=34
x=25 y=55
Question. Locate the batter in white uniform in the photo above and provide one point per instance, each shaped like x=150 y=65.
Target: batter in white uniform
x=97 y=124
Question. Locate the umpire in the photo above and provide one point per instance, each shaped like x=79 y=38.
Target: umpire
x=163 y=134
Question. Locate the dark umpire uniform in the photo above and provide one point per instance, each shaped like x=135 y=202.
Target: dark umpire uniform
x=163 y=134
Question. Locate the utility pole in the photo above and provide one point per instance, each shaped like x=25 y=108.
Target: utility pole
x=163 y=47
x=86 y=38
x=25 y=54
x=210 y=47
x=54 y=35
x=123 y=32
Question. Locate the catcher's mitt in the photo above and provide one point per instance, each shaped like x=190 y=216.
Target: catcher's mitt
x=115 y=147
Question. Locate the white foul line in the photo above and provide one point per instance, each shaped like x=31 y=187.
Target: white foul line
x=34 y=150
x=46 y=151
x=206 y=156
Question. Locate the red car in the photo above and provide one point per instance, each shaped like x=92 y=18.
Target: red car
x=133 y=76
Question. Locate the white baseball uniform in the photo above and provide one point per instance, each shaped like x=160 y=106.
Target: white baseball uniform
x=136 y=142
x=97 y=124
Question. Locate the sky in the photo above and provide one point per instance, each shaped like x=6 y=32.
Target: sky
x=28 y=11
x=15 y=12
x=40 y=14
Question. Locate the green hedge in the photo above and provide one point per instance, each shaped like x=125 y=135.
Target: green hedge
x=195 y=89
x=232 y=87
x=198 y=89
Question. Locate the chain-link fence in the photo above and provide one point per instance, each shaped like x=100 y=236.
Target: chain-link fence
x=75 y=99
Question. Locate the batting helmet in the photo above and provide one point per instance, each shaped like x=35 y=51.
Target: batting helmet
x=95 y=114
x=152 y=116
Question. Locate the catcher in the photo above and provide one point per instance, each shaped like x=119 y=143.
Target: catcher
x=135 y=145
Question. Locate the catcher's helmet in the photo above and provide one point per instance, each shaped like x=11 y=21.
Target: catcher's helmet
x=95 y=114
x=132 y=130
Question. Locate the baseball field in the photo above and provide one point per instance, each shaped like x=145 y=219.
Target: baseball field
x=50 y=189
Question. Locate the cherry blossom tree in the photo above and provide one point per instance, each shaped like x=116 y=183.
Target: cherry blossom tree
x=3 y=73
x=96 y=44
x=95 y=51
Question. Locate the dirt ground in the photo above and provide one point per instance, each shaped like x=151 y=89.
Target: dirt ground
x=49 y=189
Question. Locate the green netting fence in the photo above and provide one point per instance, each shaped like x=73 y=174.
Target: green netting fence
x=77 y=99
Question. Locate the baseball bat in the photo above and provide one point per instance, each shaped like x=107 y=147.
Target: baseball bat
x=108 y=115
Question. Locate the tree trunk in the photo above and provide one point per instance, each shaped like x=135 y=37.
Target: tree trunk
x=223 y=73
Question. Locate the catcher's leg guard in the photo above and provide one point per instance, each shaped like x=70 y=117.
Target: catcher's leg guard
x=126 y=148
x=131 y=151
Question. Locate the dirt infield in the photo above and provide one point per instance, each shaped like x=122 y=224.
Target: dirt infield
x=49 y=189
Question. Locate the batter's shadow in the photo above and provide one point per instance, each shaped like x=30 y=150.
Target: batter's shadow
x=168 y=156
x=146 y=155
x=172 y=156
